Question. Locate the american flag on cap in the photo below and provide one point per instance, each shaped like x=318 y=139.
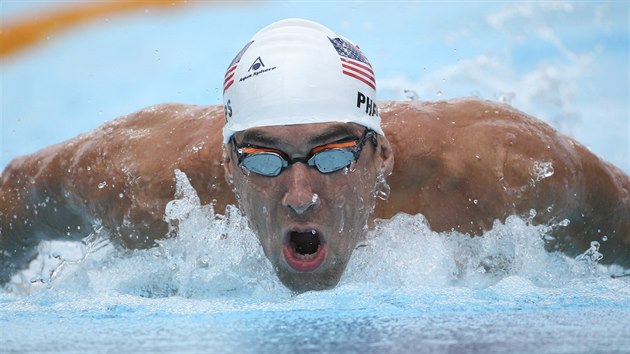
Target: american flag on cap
x=353 y=62
x=229 y=75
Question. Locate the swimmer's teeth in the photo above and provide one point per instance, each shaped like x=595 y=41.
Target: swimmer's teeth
x=305 y=257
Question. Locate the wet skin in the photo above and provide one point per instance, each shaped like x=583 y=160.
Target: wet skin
x=448 y=155
x=308 y=223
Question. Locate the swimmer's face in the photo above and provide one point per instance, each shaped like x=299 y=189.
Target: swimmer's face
x=308 y=222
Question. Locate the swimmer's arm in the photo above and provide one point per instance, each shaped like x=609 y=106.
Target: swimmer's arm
x=32 y=209
x=120 y=175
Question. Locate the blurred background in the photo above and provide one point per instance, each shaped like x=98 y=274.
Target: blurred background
x=68 y=66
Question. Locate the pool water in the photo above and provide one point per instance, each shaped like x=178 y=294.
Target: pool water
x=406 y=289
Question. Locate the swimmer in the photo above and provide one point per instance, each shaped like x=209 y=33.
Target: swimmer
x=304 y=150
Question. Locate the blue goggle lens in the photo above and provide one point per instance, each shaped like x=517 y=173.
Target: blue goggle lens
x=331 y=160
x=264 y=163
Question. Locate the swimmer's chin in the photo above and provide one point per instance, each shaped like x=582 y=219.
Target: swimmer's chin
x=305 y=263
x=300 y=283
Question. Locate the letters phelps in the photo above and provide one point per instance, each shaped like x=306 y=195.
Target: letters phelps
x=370 y=104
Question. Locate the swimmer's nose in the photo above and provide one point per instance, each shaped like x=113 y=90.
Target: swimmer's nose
x=299 y=195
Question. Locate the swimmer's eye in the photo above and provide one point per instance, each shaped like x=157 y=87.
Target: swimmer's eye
x=327 y=158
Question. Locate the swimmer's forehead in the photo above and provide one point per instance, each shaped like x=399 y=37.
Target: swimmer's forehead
x=299 y=134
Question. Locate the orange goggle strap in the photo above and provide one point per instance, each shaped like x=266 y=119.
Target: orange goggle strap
x=253 y=150
x=247 y=150
x=333 y=146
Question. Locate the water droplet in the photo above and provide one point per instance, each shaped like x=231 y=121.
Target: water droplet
x=411 y=94
x=542 y=170
x=604 y=238
x=313 y=232
x=314 y=198
x=439 y=93
x=121 y=196
x=475 y=201
x=382 y=189
x=89 y=168
x=353 y=166
x=245 y=171
x=102 y=185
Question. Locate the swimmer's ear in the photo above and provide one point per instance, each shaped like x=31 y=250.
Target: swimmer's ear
x=386 y=155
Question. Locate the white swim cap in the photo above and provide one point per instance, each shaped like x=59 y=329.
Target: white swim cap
x=296 y=71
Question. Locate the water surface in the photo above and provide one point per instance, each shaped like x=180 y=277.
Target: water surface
x=406 y=289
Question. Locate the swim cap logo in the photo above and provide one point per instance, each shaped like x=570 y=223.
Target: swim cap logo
x=256 y=65
x=258 y=68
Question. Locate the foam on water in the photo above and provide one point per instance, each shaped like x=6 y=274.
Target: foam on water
x=218 y=255
x=404 y=278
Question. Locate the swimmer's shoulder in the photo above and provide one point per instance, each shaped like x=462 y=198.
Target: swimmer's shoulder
x=168 y=113
x=455 y=111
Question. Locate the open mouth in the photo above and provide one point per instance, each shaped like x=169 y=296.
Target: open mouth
x=304 y=250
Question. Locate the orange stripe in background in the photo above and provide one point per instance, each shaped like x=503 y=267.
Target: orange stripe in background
x=28 y=31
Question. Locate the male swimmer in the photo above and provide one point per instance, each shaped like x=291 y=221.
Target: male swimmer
x=305 y=151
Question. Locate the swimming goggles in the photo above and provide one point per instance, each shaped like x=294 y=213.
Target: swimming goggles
x=326 y=158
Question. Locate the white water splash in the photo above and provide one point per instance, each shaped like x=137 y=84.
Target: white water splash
x=410 y=255
x=218 y=255
x=541 y=170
